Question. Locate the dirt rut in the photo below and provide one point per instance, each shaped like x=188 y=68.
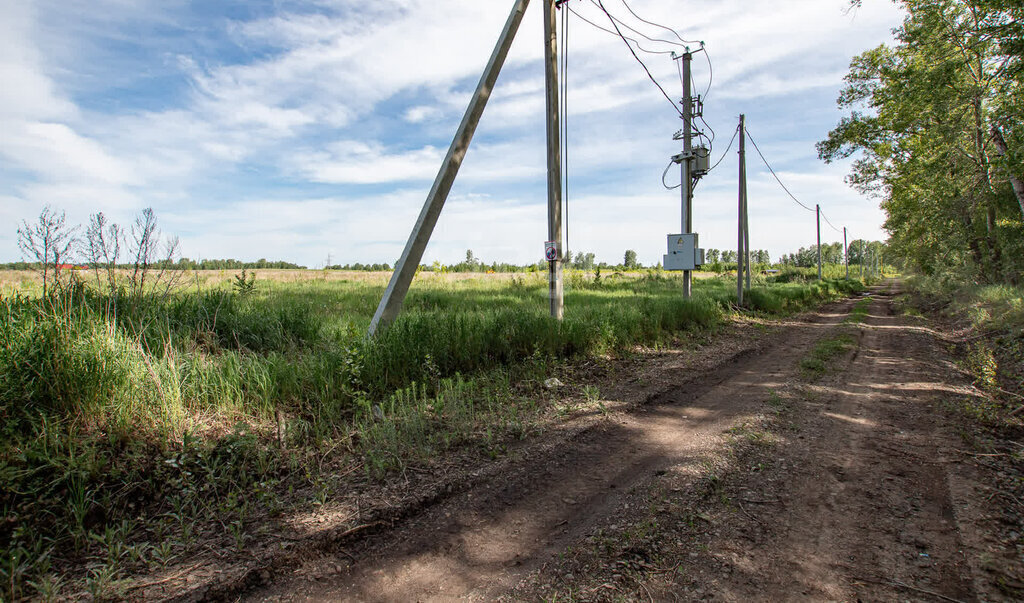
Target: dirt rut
x=480 y=543
x=865 y=511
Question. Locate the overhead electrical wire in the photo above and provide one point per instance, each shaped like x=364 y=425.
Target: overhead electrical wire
x=711 y=70
x=827 y=221
x=665 y=173
x=791 y=196
x=610 y=32
x=722 y=158
x=600 y=5
x=674 y=32
x=638 y=32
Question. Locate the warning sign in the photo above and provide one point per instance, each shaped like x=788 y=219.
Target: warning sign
x=550 y=251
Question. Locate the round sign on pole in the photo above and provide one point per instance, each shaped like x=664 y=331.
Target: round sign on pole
x=550 y=251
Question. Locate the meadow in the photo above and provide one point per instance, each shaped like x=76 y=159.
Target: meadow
x=129 y=421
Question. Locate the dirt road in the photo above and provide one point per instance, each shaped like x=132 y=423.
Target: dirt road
x=743 y=480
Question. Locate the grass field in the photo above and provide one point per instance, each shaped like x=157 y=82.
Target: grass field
x=127 y=420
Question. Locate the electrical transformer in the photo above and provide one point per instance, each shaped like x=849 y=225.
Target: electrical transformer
x=683 y=253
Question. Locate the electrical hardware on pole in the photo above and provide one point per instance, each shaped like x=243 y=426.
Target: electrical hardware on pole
x=683 y=251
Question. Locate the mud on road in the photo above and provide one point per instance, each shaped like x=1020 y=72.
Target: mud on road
x=703 y=478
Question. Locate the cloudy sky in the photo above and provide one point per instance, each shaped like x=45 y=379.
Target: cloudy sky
x=298 y=129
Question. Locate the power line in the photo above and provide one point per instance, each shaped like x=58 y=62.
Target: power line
x=731 y=140
x=828 y=222
x=639 y=18
x=665 y=173
x=608 y=31
x=791 y=196
x=638 y=32
x=711 y=70
x=600 y=5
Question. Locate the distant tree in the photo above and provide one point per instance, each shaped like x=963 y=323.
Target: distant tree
x=712 y=255
x=629 y=260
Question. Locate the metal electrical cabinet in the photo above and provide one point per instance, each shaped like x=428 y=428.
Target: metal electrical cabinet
x=683 y=253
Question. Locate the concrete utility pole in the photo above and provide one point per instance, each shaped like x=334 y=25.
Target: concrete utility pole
x=817 y=213
x=746 y=229
x=740 y=211
x=685 y=165
x=555 y=290
x=405 y=269
x=846 y=255
x=862 y=258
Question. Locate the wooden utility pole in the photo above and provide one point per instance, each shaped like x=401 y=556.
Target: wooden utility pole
x=555 y=289
x=817 y=214
x=741 y=207
x=391 y=304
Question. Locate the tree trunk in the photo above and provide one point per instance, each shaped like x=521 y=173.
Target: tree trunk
x=1015 y=182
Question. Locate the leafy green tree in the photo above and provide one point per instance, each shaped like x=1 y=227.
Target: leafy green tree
x=936 y=122
x=629 y=260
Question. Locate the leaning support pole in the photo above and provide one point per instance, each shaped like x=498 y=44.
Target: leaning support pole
x=739 y=212
x=555 y=288
x=405 y=270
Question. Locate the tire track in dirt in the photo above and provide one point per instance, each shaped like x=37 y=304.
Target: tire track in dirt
x=866 y=511
x=480 y=542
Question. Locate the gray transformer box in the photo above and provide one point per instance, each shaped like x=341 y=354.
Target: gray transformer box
x=683 y=253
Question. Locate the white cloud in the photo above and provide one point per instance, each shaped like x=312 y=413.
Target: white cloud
x=356 y=97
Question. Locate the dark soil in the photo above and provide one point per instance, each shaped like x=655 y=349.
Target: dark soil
x=723 y=472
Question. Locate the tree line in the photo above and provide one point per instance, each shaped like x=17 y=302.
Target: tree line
x=936 y=121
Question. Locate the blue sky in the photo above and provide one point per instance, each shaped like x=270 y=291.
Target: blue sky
x=298 y=129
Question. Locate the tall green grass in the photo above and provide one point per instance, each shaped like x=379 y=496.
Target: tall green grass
x=109 y=404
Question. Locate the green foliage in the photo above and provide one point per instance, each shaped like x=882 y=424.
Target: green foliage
x=930 y=117
x=244 y=284
x=822 y=358
x=629 y=260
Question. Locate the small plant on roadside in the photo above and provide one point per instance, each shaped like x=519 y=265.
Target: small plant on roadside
x=245 y=283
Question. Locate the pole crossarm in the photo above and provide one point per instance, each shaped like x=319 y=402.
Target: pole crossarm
x=394 y=296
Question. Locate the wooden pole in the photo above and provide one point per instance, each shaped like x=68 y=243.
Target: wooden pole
x=391 y=303
x=817 y=215
x=555 y=288
x=846 y=255
x=740 y=209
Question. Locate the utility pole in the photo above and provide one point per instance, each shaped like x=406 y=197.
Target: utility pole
x=846 y=255
x=687 y=180
x=817 y=213
x=746 y=230
x=740 y=211
x=555 y=288
x=391 y=303
x=862 y=258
